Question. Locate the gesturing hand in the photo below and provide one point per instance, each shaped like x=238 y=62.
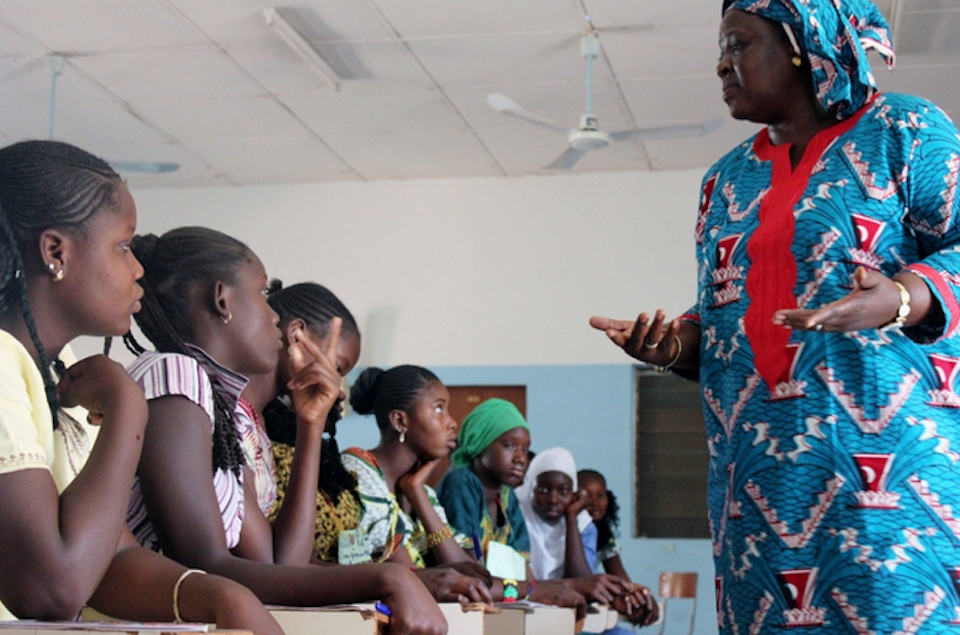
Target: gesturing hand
x=315 y=382
x=650 y=343
x=872 y=303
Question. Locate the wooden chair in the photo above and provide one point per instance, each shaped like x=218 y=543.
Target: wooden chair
x=675 y=586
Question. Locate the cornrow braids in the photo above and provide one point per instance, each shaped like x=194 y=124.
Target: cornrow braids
x=313 y=303
x=173 y=264
x=45 y=185
x=316 y=305
x=379 y=391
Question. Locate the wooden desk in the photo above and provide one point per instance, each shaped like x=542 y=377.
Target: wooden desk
x=361 y=619
x=30 y=627
x=524 y=619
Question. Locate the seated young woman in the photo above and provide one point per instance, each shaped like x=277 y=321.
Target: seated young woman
x=205 y=312
x=601 y=504
x=308 y=312
x=402 y=521
x=563 y=538
x=66 y=269
x=491 y=459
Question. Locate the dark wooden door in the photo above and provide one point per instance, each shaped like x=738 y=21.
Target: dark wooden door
x=463 y=399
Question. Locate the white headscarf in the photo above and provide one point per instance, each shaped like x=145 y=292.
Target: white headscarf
x=548 y=540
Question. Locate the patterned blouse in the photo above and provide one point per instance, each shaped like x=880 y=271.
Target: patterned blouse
x=163 y=374
x=332 y=518
x=258 y=454
x=384 y=523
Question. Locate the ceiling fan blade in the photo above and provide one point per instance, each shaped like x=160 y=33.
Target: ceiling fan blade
x=566 y=160
x=669 y=132
x=506 y=106
x=144 y=167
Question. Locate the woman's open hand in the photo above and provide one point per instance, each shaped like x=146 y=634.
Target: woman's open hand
x=650 y=342
x=873 y=302
x=315 y=382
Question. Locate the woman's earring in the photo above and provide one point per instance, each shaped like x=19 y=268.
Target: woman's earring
x=403 y=436
x=796 y=61
x=227 y=319
x=57 y=273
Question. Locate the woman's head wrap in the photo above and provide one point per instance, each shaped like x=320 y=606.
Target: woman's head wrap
x=834 y=36
x=482 y=426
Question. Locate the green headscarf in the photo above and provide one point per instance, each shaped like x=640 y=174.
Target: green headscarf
x=482 y=426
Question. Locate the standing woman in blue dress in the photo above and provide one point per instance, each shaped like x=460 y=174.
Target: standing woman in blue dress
x=824 y=333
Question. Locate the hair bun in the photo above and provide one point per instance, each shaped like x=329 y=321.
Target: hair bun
x=274 y=285
x=143 y=246
x=364 y=391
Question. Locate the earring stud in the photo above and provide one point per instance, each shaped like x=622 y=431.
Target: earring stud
x=796 y=61
x=227 y=319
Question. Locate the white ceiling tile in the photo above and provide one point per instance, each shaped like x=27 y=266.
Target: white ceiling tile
x=700 y=152
x=274 y=160
x=107 y=25
x=16 y=44
x=616 y=14
x=367 y=67
x=505 y=60
x=442 y=153
x=403 y=112
x=932 y=34
x=689 y=52
x=242 y=21
x=238 y=118
x=201 y=72
x=674 y=101
x=931 y=5
x=440 y=17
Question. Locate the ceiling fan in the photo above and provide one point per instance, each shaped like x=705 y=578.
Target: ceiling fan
x=588 y=135
x=55 y=63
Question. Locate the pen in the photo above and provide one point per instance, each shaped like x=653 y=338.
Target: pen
x=476 y=548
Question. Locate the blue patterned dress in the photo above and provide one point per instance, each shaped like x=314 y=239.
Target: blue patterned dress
x=834 y=479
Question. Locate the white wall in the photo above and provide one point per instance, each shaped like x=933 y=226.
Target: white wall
x=489 y=281
x=468 y=271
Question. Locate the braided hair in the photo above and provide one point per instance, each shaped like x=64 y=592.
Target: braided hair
x=379 y=391
x=45 y=185
x=610 y=523
x=173 y=264
x=316 y=306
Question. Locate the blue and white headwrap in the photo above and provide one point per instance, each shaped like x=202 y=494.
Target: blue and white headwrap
x=834 y=35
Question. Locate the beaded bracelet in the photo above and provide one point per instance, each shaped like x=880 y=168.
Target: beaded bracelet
x=176 y=592
x=434 y=538
x=510 y=593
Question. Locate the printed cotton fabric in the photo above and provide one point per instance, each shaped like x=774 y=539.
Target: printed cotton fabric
x=834 y=482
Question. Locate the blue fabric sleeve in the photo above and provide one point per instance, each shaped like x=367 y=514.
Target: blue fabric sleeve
x=589 y=538
x=461 y=494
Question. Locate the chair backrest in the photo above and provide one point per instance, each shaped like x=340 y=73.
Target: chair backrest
x=678 y=585
x=674 y=585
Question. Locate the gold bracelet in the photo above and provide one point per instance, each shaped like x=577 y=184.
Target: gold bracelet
x=676 y=358
x=434 y=538
x=176 y=592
